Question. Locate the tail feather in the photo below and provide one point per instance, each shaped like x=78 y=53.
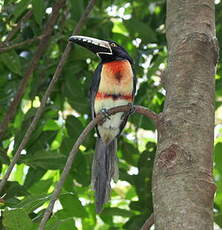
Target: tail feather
x=105 y=167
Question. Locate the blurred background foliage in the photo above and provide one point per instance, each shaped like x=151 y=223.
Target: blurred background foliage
x=139 y=27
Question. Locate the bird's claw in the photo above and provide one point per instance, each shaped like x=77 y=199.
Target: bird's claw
x=129 y=112
x=132 y=109
x=105 y=113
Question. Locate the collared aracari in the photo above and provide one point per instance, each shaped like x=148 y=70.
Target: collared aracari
x=113 y=84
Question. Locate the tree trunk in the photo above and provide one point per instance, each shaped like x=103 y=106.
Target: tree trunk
x=183 y=186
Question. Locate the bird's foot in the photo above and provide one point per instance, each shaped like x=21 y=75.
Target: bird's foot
x=130 y=111
x=105 y=113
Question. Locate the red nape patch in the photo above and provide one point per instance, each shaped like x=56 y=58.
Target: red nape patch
x=100 y=96
x=117 y=66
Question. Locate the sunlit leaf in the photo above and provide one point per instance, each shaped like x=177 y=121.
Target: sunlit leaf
x=72 y=205
x=218 y=157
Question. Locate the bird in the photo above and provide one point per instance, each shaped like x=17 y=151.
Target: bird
x=113 y=84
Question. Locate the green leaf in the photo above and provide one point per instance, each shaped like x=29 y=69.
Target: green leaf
x=32 y=202
x=138 y=28
x=82 y=176
x=38 y=10
x=17 y=219
x=142 y=122
x=33 y=175
x=116 y=212
x=12 y=61
x=77 y=8
x=131 y=193
x=129 y=153
x=41 y=187
x=45 y=160
x=57 y=223
x=74 y=127
x=218 y=219
x=119 y=28
x=20 y=8
x=134 y=222
x=72 y=206
x=13 y=188
x=51 y=125
x=19 y=173
x=74 y=89
x=67 y=224
x=218 y=157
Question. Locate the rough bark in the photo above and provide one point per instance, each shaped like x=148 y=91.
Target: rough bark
x=183 y=186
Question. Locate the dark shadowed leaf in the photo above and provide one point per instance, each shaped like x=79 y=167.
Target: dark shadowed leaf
x=140 y=29
x=218 y=219
x=134 y=222
x=74 y=127
x=33 y=175
x=17 y=219
x=20 y=8
x=46 y=160
x=11 y=60
x=129 y=153
x=38 y=10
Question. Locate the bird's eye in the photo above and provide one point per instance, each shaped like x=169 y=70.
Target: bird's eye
x=113 y=44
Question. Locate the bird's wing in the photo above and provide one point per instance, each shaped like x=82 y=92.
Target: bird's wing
x=126 y=115
x=94 y=88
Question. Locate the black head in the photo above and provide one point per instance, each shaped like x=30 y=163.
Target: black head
x=106 y=50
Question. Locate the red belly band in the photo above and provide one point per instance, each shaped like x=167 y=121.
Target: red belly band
x=100 y=96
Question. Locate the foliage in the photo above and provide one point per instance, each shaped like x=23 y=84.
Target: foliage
x=139 y=27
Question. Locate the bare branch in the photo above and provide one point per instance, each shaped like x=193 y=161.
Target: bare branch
x=46 y=96
x=149 y=223
x=33 y=64
x=20 y=44
x=146 y=112
x=99 y=118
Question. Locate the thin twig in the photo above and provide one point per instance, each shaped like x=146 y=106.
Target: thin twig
x=149 y=223
x=33 y=65
x=18 y=25
x=99 y=118
x=46 y=96
x=20 y=44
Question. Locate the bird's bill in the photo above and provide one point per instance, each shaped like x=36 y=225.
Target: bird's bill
x=95 y=45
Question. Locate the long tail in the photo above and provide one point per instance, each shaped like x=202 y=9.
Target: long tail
x=105 y=167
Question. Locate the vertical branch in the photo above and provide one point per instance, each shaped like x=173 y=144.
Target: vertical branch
x=46 y=96
x=32 y=66
x=183 y=186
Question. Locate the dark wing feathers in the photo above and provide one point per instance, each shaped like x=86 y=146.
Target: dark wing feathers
x=94 y=88
x=126 y=115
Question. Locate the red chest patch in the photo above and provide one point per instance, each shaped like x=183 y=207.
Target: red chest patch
x=116 y=66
